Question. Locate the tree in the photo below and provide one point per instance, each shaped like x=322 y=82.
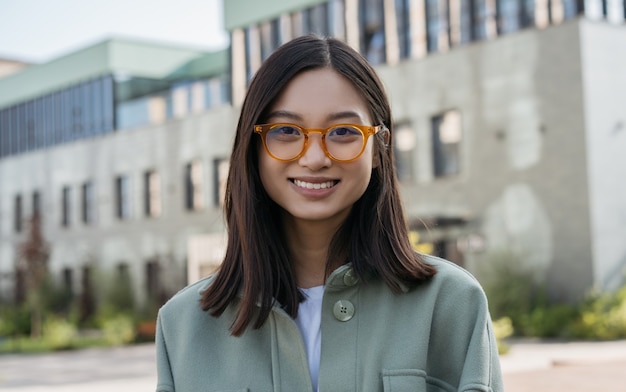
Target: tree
x=33 y=260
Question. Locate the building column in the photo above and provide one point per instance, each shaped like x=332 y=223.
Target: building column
x=238 y=66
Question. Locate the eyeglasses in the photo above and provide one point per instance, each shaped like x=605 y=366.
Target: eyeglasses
x=341 y=142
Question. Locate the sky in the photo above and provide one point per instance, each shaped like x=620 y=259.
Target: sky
x=37 y=31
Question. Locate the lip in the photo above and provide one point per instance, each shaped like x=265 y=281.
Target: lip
x=314 y=186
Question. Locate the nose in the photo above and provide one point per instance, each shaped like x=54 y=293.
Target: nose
x=314 y=156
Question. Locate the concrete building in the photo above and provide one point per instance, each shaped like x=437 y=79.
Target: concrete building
x=510 y=132
x=115 y=146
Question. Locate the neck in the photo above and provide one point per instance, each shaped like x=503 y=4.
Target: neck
x=308 y=243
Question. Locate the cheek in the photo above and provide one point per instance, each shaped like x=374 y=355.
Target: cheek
x=371 y=154
x=267 y=172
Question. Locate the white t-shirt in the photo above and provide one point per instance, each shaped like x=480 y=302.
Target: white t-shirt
x=309 y=322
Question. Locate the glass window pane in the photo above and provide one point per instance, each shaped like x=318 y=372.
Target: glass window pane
x=337 y=19
x=17 y=213
x=152 y=194
x=65 y=206
x=122 y=197
x=220 y=175
x=372 y=31
x=4 y=128
x=107 y=104
x=446 y=143
x=508 y=16
x=404 y=29
x=437 y=25
x=193 y=186
x=405 y=141
x=88 y=203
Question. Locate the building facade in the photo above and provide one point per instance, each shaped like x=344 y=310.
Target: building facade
x=116 y=147
x=510 y=128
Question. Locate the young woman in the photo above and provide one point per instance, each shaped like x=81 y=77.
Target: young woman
x=320 y=288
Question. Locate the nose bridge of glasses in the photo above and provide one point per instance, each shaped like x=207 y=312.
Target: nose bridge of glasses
x=322 y=132
x=311 y=141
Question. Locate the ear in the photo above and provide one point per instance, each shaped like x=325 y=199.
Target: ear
x=385 y=138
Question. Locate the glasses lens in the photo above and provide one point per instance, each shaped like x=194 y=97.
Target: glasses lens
x=284 y=141
x=344 y=142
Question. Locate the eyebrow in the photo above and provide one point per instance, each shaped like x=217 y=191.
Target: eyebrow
x=347 y=114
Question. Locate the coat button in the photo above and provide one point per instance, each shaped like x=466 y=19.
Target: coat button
x=343 y=310
x=350 y=278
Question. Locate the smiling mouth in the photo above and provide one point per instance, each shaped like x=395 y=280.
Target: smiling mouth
x=315 y=185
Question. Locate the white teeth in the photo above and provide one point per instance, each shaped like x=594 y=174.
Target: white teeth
x=311 y=185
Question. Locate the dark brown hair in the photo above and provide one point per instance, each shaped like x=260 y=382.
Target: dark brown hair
x=256 y=271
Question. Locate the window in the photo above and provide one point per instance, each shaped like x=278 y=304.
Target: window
x=67 y=114
x=337 y=19
x=220 y=175
x=123 y=296
x=571 y=8
x=198 y=95
x=514 y=15
x=88 y=203
x=297 y=24
x=446 y=140
x=132 y=113
x=438 y=37
x=527 y=16
x=65 y=206
x=270 y=38
x=372 y=31
x=122 y=197
x=36 y=203
x=88 y=293
x=153 y=279
x=180 y=100
x=217 y=92
x=193 y=186
x=20 y=285
x=482 y=17
x=463 y=21
x=316 y=19
x=404 y=28
x=404 y=143
x=97 y=106
x=76 y=112
x=17 y=213
x=152 y=193
x=4 y=133
x=253 y=51
x=68 y=280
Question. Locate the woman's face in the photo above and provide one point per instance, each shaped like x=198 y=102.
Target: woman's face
x=314 y=187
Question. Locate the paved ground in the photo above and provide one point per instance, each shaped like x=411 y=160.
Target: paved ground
x=123 y=369
x=529 y=366
x=572 y=367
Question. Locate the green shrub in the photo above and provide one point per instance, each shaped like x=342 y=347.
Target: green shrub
x=603 y=316
x=511 y=290
x=513 y=293
x=503 y=328
x=119 y=330
x=549 y=321
x=14 y=320
x=59 y=333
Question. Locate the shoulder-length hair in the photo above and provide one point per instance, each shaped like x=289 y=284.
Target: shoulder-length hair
x=256 y=273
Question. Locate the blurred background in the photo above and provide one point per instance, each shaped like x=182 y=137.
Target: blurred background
x=117 y=120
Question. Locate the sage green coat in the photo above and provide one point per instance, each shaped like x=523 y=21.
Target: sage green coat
x=436 y=337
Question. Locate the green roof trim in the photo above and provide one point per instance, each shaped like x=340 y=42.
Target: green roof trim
x=119 y=56
x=242 y=13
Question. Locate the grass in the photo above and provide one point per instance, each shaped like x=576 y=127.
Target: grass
x=28 y=345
